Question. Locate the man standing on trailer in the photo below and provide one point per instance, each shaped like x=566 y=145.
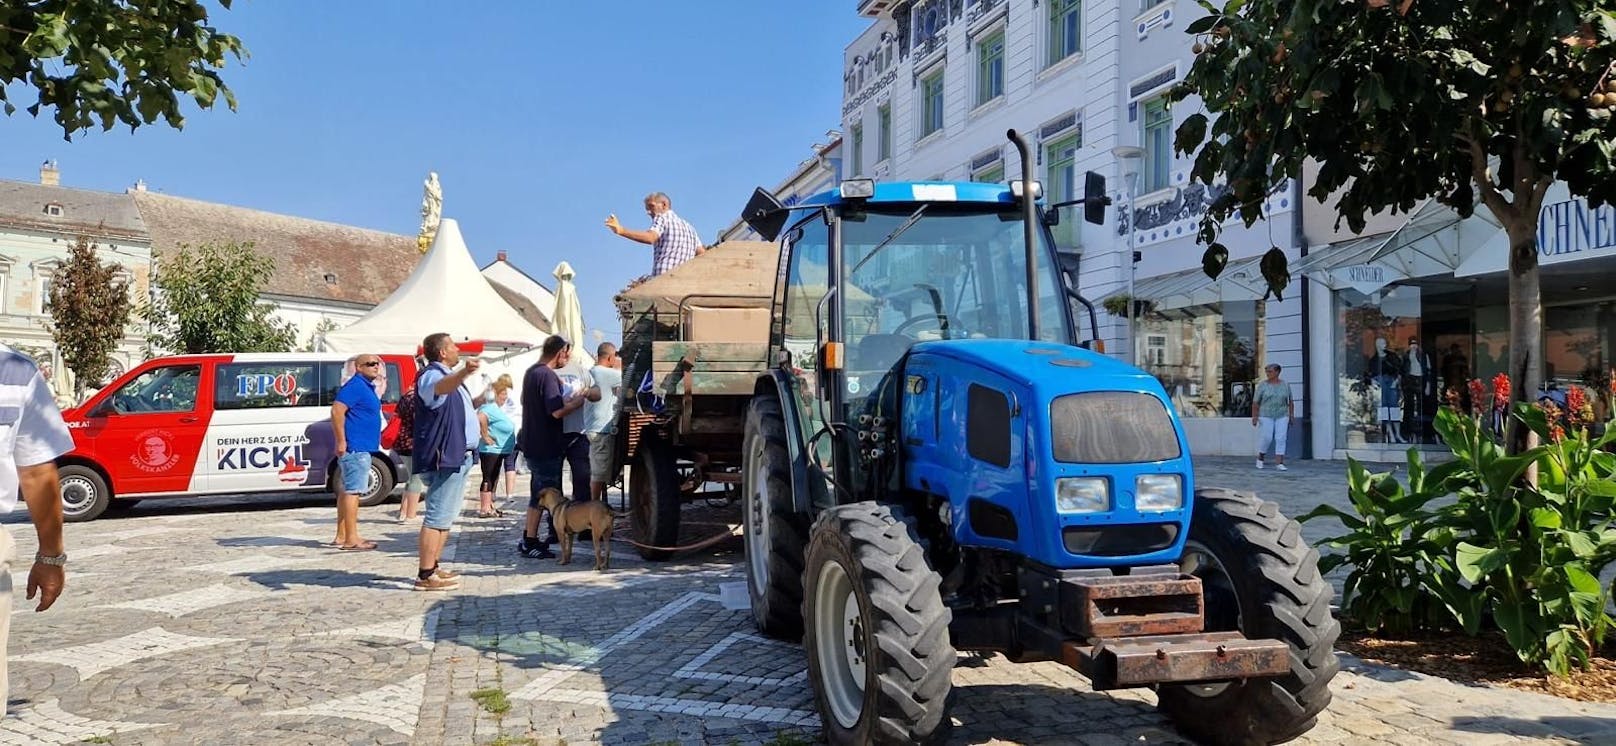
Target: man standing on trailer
x=673 y=241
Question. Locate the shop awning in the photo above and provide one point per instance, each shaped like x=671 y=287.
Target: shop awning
x=1241 y=280
x=1433 y=241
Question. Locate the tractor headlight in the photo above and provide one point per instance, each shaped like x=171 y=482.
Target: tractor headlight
x=1157 y=493
x=1082 y=495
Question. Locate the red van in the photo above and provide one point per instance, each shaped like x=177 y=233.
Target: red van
x=221 y=424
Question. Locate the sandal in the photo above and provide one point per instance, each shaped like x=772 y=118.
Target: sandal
x=365 y=547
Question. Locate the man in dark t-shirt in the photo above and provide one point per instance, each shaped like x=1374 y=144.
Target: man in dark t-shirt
x=544 y=406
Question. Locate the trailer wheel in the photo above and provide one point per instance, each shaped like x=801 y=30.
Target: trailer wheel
x=654 y=498
x=1259 y=577
x=879 y=654
x=85 y=495
x=776 y=533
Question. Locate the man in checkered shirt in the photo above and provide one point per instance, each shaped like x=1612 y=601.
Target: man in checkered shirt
x=673 y=241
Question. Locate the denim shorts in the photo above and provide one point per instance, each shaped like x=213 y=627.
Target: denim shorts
x=445 y=496
x=354 y=470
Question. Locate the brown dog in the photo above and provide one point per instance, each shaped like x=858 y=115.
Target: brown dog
x=572 y=516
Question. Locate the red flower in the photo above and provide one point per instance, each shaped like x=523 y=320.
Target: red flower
x=1557 y=433
x=1478 y=394
x=1451 y=397
x=1501 y=389
x=1577 y=408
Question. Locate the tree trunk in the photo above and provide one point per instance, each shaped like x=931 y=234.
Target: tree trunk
x=1525 y=324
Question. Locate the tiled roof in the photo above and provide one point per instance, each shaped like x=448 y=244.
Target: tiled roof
x=368 y=265
x=23 y=205
x=523 y=305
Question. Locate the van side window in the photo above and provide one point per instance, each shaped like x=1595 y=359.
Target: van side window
x=266 y=384
x=168 y=389
x=334 y=374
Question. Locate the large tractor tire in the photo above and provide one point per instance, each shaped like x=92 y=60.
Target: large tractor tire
x=85 y=495
x=1261 y=578
x=776 y=534
x=879 y=654
x=654 y=497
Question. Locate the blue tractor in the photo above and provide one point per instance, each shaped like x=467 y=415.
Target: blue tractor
x=939 y=461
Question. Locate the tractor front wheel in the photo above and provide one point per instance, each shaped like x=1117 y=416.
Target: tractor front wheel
x=1259 y=577
x=876 y=632
x=775 y=532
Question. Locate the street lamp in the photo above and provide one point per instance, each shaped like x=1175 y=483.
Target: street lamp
x=1128 y=160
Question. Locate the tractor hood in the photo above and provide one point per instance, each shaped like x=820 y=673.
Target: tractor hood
x=1045 y=367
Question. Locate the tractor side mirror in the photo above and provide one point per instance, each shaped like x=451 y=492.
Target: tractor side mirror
x=1052 y=216
x=765 y=214
x=1095 y=199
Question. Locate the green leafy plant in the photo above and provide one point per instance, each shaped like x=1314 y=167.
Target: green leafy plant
x=493 y=700
x=89 y=314
x=207 y=300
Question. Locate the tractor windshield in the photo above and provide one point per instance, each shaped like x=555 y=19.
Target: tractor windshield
x=955 y=271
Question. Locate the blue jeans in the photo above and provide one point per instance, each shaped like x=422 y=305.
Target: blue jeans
x=354 y=470
x=445 y=496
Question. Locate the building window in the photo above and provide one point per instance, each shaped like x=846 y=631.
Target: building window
x=1060 y=183
x=858 y=149
x=990 y=68
x=1158 y=142
x=1207 y=357
x=883 y=125
x=42 y=305
x=931 y=104
x=1065 y=29
x=54 y=210
x=993 y=174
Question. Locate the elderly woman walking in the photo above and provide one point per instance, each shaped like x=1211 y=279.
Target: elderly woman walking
x=498 y=441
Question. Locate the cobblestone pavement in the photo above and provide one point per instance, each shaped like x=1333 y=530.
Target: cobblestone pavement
x=231 y=621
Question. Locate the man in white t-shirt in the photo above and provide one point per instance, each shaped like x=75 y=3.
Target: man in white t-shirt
x=600 y=418
x=32 y=435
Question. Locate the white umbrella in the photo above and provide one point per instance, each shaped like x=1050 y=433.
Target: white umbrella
x=569 y=316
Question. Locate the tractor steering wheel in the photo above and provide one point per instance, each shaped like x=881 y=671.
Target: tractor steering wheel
x=937 y=321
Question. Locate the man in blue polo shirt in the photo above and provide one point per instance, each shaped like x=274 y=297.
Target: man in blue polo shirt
x=356 y=420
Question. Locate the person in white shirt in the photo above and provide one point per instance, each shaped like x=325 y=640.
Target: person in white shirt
x=32 y=436
x=600 y=418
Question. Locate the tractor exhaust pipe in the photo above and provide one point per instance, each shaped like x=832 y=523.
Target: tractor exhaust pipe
x=1029 y=214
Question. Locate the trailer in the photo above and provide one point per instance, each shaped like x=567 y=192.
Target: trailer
x=695 y=340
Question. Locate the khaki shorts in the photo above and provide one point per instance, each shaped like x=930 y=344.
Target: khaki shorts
x=600 y=457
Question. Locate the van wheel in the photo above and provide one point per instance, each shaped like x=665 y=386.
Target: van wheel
x=379 y=485
x=85 y=495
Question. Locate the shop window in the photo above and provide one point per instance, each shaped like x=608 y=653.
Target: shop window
x=1386 y=378
x=1208 y=357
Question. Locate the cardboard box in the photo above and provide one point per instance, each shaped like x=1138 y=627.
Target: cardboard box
x=719 y=324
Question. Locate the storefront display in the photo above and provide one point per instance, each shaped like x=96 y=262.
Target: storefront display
x=1207 y=357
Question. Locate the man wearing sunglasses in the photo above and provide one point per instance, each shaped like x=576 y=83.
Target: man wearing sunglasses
x=356 y=420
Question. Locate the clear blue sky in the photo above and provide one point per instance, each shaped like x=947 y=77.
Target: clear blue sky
x=540 y=119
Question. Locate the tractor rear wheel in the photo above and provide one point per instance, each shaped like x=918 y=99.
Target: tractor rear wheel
x=775 y=532
x=879 y=655
x=1261 y=578
x=654 y=497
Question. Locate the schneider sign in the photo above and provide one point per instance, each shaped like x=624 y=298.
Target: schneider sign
x=1571 y=227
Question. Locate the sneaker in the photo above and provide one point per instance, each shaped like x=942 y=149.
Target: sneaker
x=1281 y=467
x=534 y=551
x=435 y=583
x=1259 y=463
x=443 y=574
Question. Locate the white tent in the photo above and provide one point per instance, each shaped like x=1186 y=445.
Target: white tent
x=445 y=293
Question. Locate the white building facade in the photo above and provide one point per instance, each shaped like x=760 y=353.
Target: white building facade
x=930 y=89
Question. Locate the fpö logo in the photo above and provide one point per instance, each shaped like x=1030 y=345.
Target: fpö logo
x=260 y=384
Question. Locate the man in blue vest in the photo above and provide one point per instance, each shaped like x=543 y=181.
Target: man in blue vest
x=446 y=435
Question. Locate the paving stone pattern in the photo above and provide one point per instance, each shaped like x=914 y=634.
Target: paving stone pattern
x=230 y=620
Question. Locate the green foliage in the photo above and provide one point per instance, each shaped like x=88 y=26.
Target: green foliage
x=1399 y=102
x=104 y=63
x=89 y=310
x=1524 y=556
x=207 y=301
x=492 y=700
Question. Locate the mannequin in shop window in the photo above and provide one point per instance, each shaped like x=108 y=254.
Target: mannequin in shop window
x=1419 y=388
x=1385 y=369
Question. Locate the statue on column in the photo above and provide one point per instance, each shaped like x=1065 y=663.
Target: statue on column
x=431 y=212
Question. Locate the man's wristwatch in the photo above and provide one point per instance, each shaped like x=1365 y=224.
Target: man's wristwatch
x=59 y=560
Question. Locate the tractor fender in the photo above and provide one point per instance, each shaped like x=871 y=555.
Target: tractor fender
x=778 y=384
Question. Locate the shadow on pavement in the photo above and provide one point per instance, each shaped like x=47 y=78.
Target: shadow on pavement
x=281 y=580
x=1582 y=730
